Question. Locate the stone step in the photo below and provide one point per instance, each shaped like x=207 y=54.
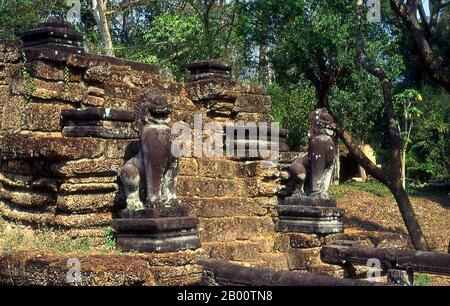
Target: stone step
x=214 y=187
x=27 y=198
x=86 y=203
x=63 y=221
x=227 y=207
x=235 y=228
x=236 y=251
x=224 y=168
x=275 y=261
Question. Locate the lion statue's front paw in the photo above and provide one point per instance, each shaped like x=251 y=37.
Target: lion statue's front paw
x=133 y=204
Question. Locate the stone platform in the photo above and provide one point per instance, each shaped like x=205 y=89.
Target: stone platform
x=156 y=230
x=309 y=215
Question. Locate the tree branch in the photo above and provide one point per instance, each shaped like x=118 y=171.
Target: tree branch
x=433 y=63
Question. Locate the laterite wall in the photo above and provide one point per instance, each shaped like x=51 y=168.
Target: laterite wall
x=71 y=184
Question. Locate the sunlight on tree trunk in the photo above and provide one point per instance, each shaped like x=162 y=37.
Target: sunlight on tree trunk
x=99 y=11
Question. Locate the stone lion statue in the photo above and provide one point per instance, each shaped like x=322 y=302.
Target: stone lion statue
x=311 y=174
x=149 y=178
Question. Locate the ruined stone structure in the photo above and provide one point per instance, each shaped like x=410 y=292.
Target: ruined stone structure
x=59 y=168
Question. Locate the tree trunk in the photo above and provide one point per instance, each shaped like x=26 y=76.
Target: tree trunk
x=432 y=62
x=99 y=9
x=208 y=39
x=404 y=169
x=263 y=64
x=323 y=89
x=409 y=217
x=392 y=181
x=392 y=177
x=337 y=167
x=362 y=173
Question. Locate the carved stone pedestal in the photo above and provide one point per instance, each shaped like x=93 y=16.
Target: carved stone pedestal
x=208 y=69
x=309 y=215
x=165 y=229
x=56 y=33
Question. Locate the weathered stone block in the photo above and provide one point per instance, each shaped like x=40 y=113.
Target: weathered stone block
x=188 y=167
x=122 y=149
x=37 y=268
x=4 y=96
x=208 y=187
x=253 y=117
x=46 y=70
x=42 y=117
x=177 y=276
x=95 y=91
x=275 y=261
x=183 y=104
x=85 y=203
x=236 y=228
x=238 y=251
x=99 y=73
x=13 y=145
x=92 y=101
x=259 y=188
x=326 y=269
x=9 y=51
x=282 y=242
x=27 y=199
x=304 y=241
x=46 y=90
x=90 y=180
x=17 y=167
x=216 y=168
x=303 y=259
x=118 y=103
x=251 y=89
x=73 y=221
x=98 y=167
x=122 y=91
x=225 y=207
x=12 y=112
x=211 y=89
x=265 y=244
x=252 y=104
x=88 y=188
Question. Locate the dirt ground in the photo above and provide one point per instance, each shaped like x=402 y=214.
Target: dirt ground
x=376 y=219
x=365 y=211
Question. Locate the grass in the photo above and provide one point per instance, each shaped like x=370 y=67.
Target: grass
x=19 y=237
x=376 y=188
x=373 y=187
x=110 y=236
x=423 y=280
x=336 y=194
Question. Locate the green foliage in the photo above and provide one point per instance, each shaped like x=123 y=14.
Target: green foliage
x=170 y=43
x=28 y=81
x=291 y=109
x=110 y=237
x=423 y=280
x=47 y=240
x=429 y=154
x=17 y=16
x=427 y=191
x=20 y=237
x=373 y=187
x=66 y=78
